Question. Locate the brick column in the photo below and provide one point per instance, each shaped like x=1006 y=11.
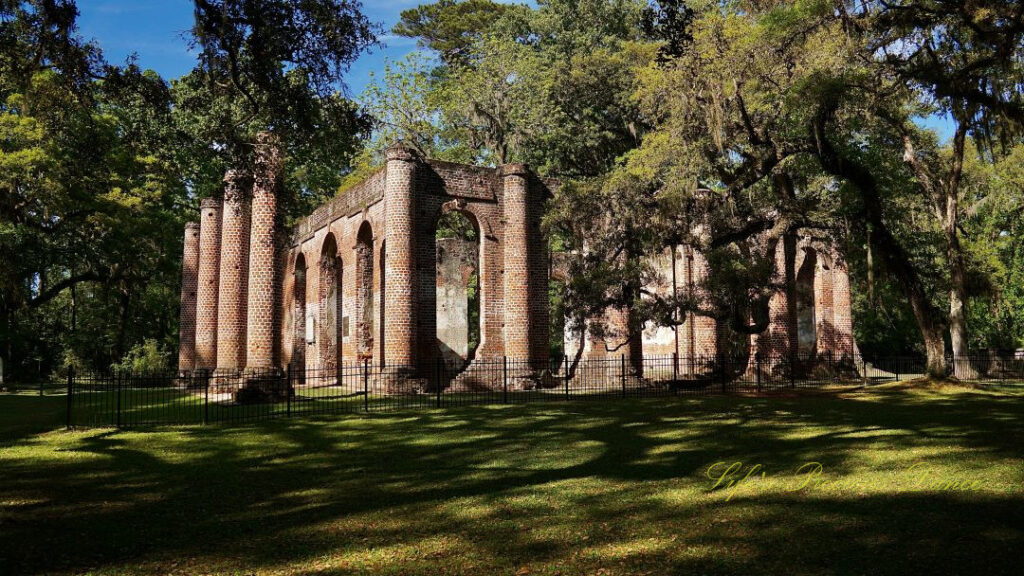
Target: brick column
x=699 y=339
x=775 y=345
x=705 y=337
x=842 y=313
x=329 y=339
x=516 y=260
x=234 y=273
x=207 y=292
x=262 y=260
x=399 y=270
x=823 y=307
x=189 y=285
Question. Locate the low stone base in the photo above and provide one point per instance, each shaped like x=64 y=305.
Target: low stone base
x=261 y=387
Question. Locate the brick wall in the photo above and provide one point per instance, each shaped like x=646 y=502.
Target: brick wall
x=399 y=259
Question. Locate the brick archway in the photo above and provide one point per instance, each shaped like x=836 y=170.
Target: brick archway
x=458 y=258
x=298 y=303
x=330 y=304
x=806 y=317
x=364 y=316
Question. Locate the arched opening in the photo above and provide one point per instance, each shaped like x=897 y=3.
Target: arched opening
x=806 y=323
x=560 y=340
x=330 y=305
x=364 y=292
x=299 y=318
x=459 y=326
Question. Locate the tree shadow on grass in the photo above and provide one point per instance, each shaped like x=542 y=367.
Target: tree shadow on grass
x=480 y=490
x=25 y=415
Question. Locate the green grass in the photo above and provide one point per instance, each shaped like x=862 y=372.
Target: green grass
x=577 y=488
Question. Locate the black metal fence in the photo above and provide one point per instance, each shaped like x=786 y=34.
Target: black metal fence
x=126 y=399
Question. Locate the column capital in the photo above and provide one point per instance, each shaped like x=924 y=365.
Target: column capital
x=400 y=152
x=268 y=163
x=236 y=184
x=516 y=169
x=191 y=226
x=210 y=202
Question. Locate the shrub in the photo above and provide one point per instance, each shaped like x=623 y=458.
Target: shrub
x=144 y=357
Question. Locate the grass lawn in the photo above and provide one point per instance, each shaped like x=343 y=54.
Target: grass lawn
x=577 y=488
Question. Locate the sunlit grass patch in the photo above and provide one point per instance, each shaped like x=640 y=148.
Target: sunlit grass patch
x=632 y=487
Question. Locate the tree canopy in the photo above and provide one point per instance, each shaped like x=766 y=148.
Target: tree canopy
x=723 y=127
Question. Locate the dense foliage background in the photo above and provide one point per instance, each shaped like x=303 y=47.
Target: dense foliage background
x=752 y=119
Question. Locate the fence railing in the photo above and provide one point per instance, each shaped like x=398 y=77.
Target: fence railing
x=128 y=399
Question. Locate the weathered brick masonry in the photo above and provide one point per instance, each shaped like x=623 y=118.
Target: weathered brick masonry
x=357 y=278
x=207 y=292
x=810 y=318
x=234 y=273
x=189 y=285
x=263 y=280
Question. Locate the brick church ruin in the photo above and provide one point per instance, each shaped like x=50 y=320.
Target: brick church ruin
x=367 y=278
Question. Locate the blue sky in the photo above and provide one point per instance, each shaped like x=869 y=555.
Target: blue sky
x=155 y=31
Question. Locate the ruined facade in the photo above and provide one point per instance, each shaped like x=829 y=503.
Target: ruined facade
x=365 y=278
x=358 y=279
x=810 y=320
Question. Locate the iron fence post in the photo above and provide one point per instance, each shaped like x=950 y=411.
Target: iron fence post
x=504 y=379
x=366 y=384
x=119 y=378
x=792 y=371
x=288 y=390
x=623 y=364
x=71 y=392
x=757 y=369
x=565 y=370
x=675 y=372
x=206 y=399
x=440 y=368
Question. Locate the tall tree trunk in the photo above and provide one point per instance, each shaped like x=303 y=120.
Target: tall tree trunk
x=962 y=368
x=957 y=269
x=636 y=343
x=871 y=271
x=885 y=246
x=944 y=193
